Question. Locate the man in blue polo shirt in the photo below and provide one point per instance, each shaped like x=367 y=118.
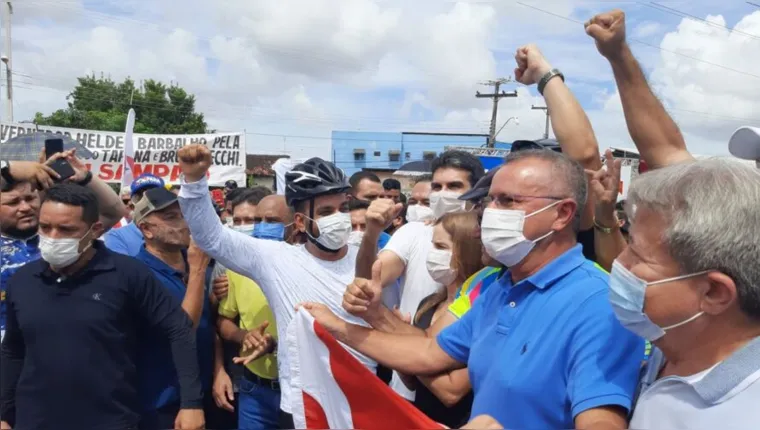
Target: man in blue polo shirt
x=182 y=272
x=128 y=240
x=543 y=346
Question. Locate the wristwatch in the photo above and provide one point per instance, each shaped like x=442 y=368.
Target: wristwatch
x=87 y=178
x=551 y=74
x=5 y=171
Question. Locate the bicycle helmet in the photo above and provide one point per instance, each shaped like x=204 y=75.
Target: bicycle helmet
x=313 y=178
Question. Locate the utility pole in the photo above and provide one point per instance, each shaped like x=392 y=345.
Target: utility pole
x=6 y=58
x=545 y=109
x=496 y=96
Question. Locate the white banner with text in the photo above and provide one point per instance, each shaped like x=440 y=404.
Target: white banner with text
x=154 y=153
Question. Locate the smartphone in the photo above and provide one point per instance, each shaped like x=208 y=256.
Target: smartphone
x=52 y=147
x=63 y=168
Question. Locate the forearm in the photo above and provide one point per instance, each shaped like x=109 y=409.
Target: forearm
x=229 y=331
x=571 y=125
x=449 y=387
x=367 y=254
x=407 y=354
x=220 y=243
x=11 y=365
x=218 y=355
x=574 y=133
x=185 y=360
x=607 y=245
x=657 y=137
x=192 y=303
x=111 y=207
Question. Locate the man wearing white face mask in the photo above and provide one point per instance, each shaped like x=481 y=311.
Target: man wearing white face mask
x=405 y=256
x=317 y=271
x=418 y=206
x=688 y=282
x=543 y=340
x=90 y=305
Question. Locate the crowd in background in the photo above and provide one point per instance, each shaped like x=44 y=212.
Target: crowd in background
x=527 y=296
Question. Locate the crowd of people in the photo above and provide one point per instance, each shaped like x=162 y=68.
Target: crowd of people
x=522 y=297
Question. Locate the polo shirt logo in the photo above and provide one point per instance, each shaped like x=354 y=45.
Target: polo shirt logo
x=96 y=297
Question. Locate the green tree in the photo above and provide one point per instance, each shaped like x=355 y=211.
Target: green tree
x=102 y=104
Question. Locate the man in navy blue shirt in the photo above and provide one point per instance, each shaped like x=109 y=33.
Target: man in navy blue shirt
x=542 y=345
x=182 y=273
x=74 y=320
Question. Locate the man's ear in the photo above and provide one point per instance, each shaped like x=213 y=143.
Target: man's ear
x=97 y=230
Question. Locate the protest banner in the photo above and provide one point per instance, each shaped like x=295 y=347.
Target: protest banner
x=153 y=153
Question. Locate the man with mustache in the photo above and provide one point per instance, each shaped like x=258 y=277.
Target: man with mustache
x=182 y=272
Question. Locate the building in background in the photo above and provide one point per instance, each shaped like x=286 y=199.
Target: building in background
x=258 y=169
x=384 y=152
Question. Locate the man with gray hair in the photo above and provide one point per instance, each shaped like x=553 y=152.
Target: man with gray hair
x=543 y=347
x=689 y=282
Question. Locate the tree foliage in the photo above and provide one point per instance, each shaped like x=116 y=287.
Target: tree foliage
x=102 y=104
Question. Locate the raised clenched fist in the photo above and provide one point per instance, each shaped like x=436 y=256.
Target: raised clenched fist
x=381 y=213
x=194 y=160
x=608 y=30
x=531 y=65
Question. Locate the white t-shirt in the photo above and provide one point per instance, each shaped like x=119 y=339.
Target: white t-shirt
x=411 y=243
x=287 y=274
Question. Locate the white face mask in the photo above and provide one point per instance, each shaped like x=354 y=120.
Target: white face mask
x=244 y=228
x=419 y=213
x=439 y=266
x=355 y=238
x=333 y=231
x=443 y=202
x=502 y=234
x=60 y=253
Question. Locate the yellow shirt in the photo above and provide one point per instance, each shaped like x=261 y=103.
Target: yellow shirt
x=246 y=300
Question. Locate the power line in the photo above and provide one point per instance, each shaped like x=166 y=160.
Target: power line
x=645 y=43
x=676 y=12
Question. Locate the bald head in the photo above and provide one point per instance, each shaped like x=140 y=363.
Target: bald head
x=273 y=209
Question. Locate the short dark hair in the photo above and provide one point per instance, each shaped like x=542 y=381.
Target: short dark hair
x=356 y=205
x=391 y=184
x=360 y=176
x=252 y=196
x=460 y=160
x=232 y=194
x=75 y=195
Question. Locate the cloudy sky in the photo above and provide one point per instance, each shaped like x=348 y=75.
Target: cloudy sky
x=289 y=72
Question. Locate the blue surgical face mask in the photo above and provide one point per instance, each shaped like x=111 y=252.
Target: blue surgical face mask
x=270 y=231
x=627 y=293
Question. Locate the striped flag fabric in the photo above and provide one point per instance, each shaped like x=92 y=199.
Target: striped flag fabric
x=332 y=389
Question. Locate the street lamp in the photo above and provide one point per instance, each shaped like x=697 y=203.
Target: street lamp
x=517 y=122
x=9 y=86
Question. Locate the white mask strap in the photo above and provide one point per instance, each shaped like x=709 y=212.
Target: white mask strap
x=684 y=322
x=544 y=208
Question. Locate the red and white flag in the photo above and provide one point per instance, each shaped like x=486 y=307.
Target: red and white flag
x=332 y=389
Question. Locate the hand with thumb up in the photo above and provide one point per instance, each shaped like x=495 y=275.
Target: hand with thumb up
x=363 y=297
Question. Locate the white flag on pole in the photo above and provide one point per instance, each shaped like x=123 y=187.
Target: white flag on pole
x=129 y=150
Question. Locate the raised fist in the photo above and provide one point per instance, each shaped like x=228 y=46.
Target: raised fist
x=381 y=213
x=608 y=30
x=531 y=65
x=194 y=160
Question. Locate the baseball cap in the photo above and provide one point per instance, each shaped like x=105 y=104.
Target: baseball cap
x=481 y=187
x=146 y=181
x=745 y=143
x=520 y=145
x=155 y=199
x=230 y=185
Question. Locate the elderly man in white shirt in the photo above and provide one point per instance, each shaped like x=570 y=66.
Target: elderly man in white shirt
x=690 y=283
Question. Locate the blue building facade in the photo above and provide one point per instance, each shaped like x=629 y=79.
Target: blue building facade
x=354 y=151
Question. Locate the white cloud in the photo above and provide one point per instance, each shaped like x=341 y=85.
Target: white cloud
x=302 y=68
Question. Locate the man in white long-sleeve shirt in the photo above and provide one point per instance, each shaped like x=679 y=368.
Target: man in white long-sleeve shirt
x=288 y=275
